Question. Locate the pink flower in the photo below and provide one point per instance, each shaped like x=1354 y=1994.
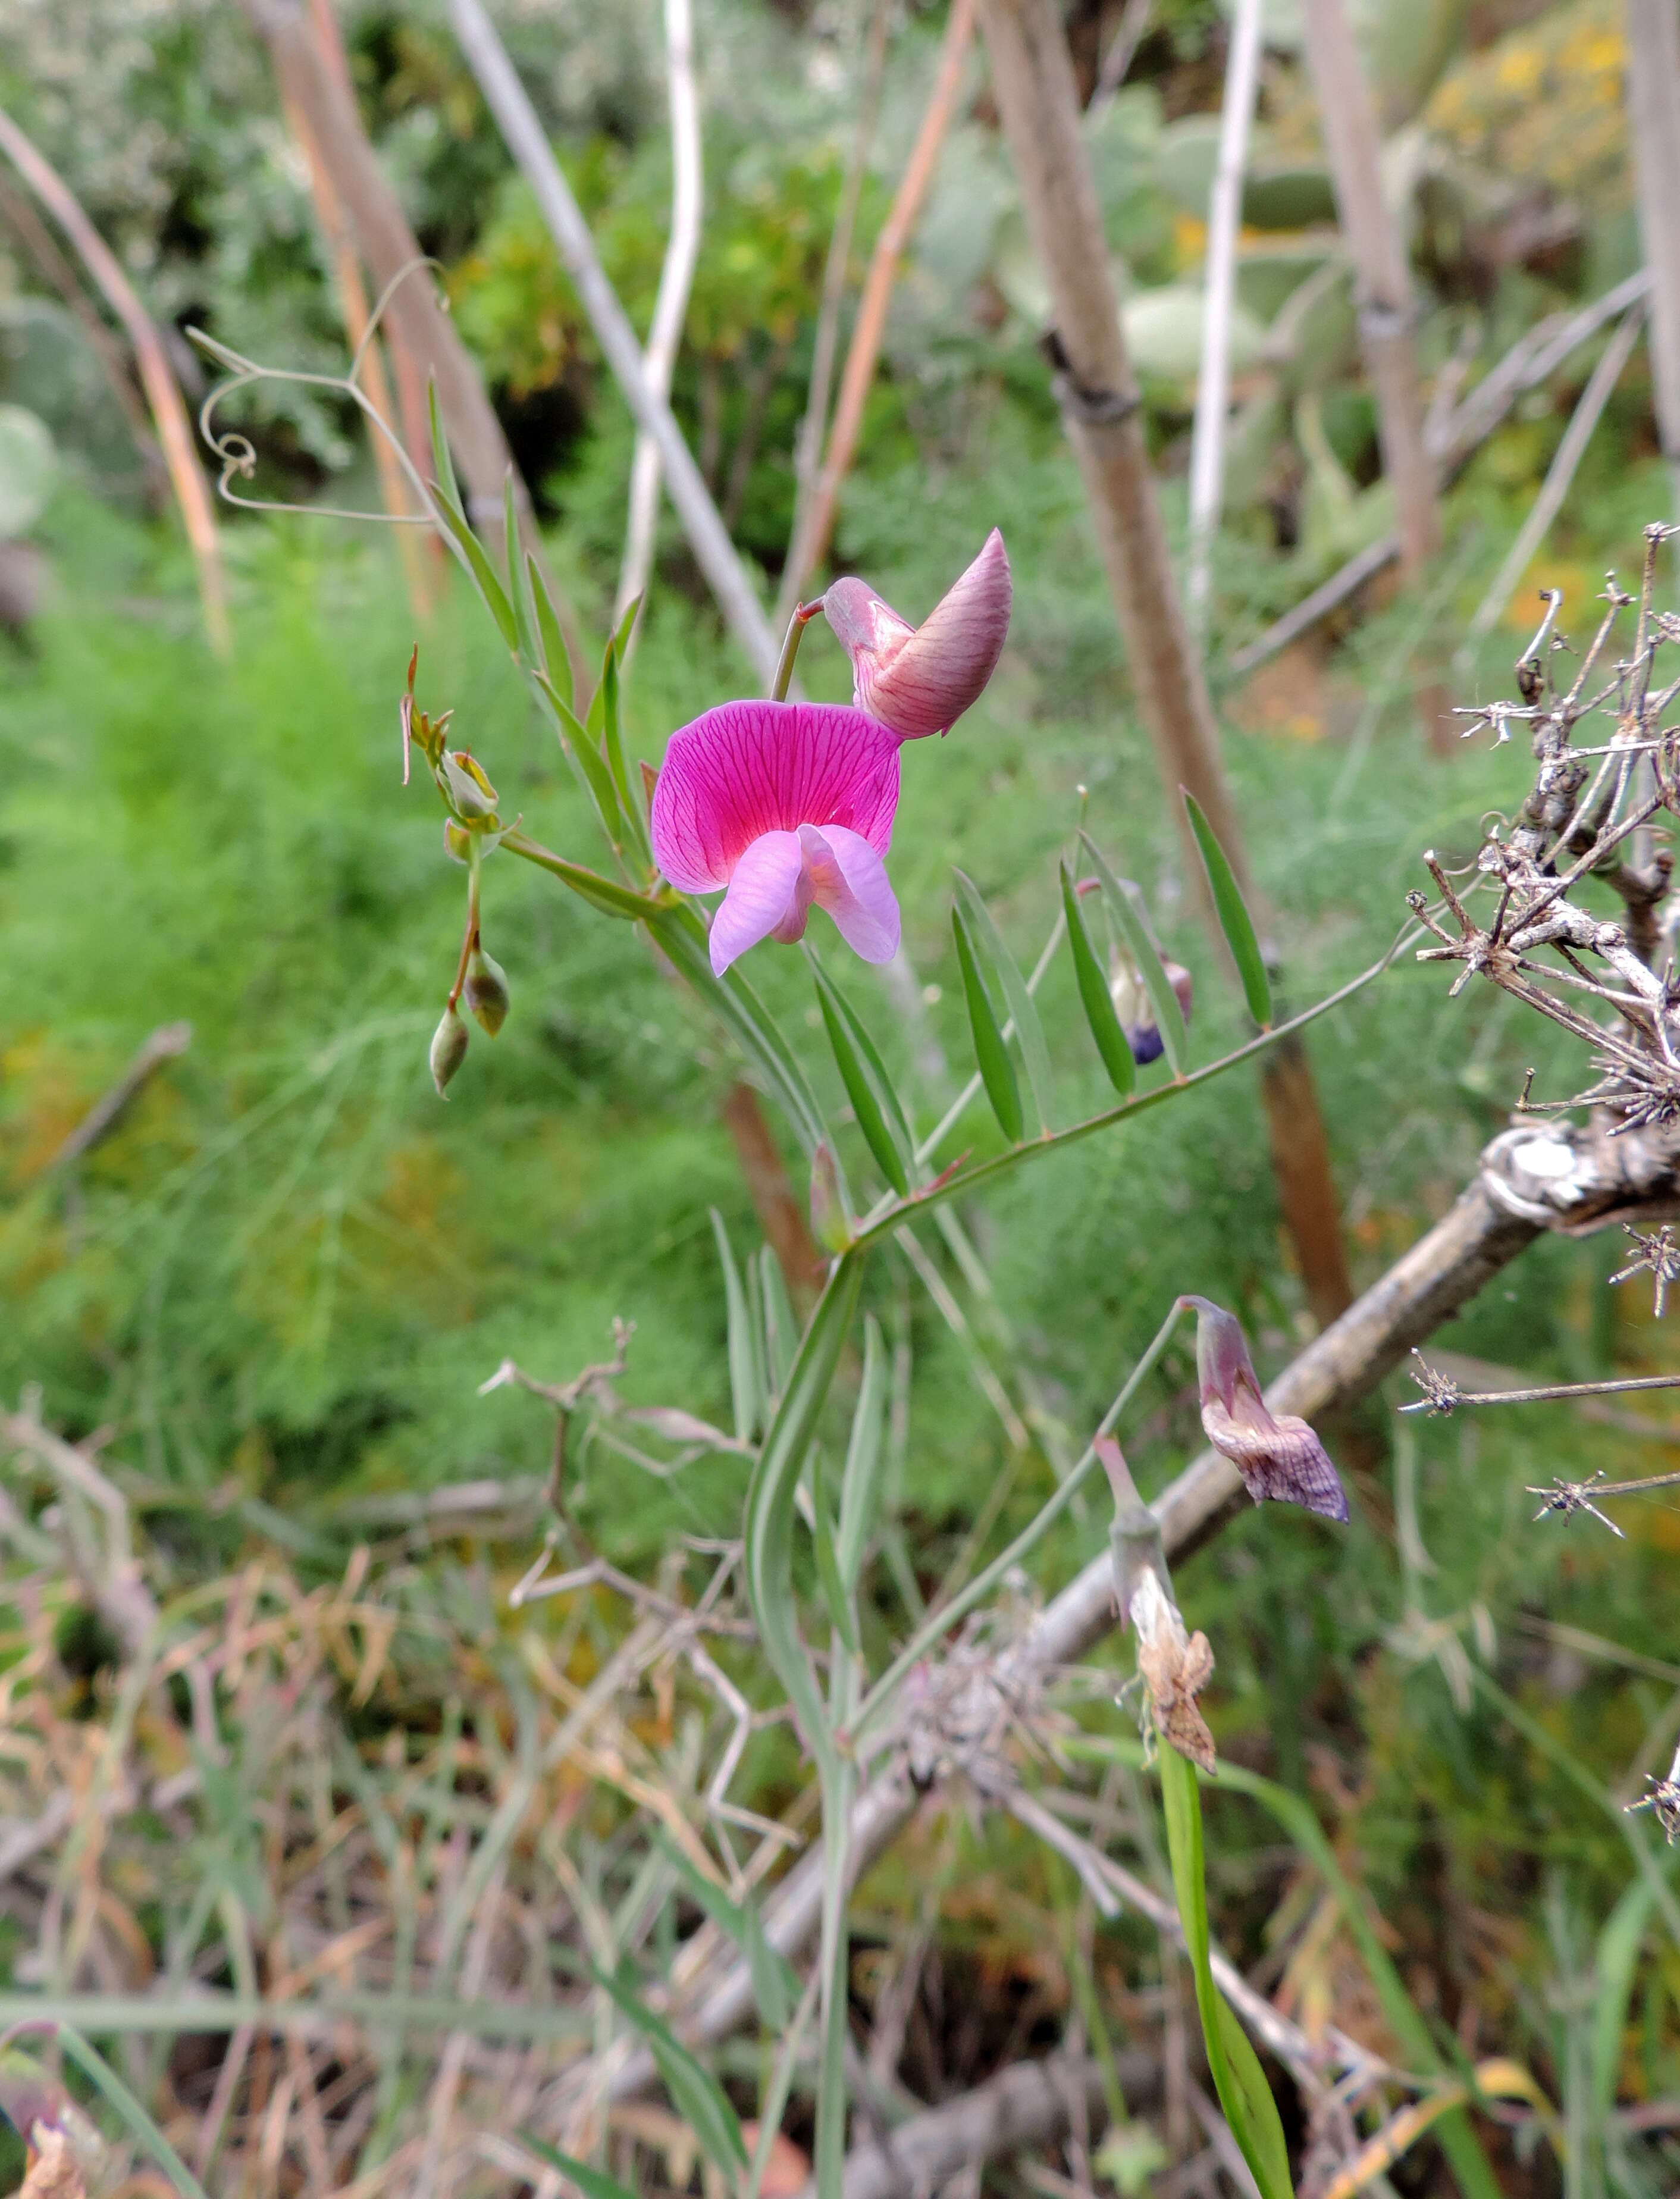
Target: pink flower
x=785 y=803
x=1277 y=1457
x=920 y=679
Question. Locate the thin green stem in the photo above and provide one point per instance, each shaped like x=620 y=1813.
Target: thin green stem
x=802 y=616
x=940 y=1622
x=887 y=1215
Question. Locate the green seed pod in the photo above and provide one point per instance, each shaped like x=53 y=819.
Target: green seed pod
x=449 y=1048
x=485 y=991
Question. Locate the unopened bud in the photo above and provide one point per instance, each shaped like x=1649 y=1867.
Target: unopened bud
x=467 y=788
x=449 y=1048
x=829 y=1223
x=485 y=991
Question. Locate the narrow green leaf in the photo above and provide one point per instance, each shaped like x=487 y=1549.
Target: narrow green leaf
x=1029 y=1031
x=604 y=893
x=1615 y=1956
x=997 y=1072
x=1235 y=920
x=556 y=658
x=94 y=2066
x=582 y=753
x=621 y=632
x=629 y=792
x=781 y=1329
x=1243 y=2093
x=519 y=586
x=866 y=1456
x=865 y=1092
x=775 y=1986
x=1141 y=946
x=770 y=1498
x=593 y=2183
x=443 y=465
x=835 y=1593
x=682 y=938
x=1256 y=2123
x=696 y=2094
x=483 y=574
x=1094 y=996
x=746 y=1392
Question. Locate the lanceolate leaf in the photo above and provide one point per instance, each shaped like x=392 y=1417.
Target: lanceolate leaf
x=613 y=744
x=1094 y=996
x=442 y=464
x=997 y=1072
x=484 y=577
x=556 y=660
x=1029 y=1031
x=622 y=636
x=1234 y=918
x=770 y=1497
x=593 y=2183
x=865 y=1455
x=874 y=1102
x=746 y=1388
x=582 y=750
x=836 y=1594
x=696 y=2094
x=681 y=938
x=1169 y=1016
x=775 y=1987
x=1239 y=2079
x=781 y=1330
x=519 y=585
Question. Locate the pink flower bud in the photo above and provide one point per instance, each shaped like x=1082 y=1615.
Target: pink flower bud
x=920 y=679
x=1278 y=1456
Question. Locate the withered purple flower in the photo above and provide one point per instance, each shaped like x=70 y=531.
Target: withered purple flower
x=1277 y=1455
x=920 y=679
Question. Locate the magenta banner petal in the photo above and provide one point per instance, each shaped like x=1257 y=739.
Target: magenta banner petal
x=846 y=877
x=920 y=679
x=764 y=896
x=748 y=768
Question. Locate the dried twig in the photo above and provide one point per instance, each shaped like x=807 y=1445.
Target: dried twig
x=167 y=1043
x=516 y=118
x=1207 y=440
x=163 y=391
x=670 y=304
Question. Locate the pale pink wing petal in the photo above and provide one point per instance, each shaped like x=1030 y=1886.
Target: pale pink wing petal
x=927 y=684
x=847 y=878
x=763 y=894
x=748 y=768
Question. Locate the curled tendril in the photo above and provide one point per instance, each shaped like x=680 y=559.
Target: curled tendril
x=237 y=454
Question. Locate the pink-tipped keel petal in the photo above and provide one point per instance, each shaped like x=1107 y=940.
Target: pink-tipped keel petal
x=920 y=679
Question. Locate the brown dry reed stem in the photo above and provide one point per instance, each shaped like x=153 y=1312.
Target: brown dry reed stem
x=1654 y=114
x=157 y=376
x=37 y=241
x=1382 y=281
x=418 y=556
x=1032 y=80
x=312 y=87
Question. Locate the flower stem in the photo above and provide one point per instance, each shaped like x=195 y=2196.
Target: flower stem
x=802 y=616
